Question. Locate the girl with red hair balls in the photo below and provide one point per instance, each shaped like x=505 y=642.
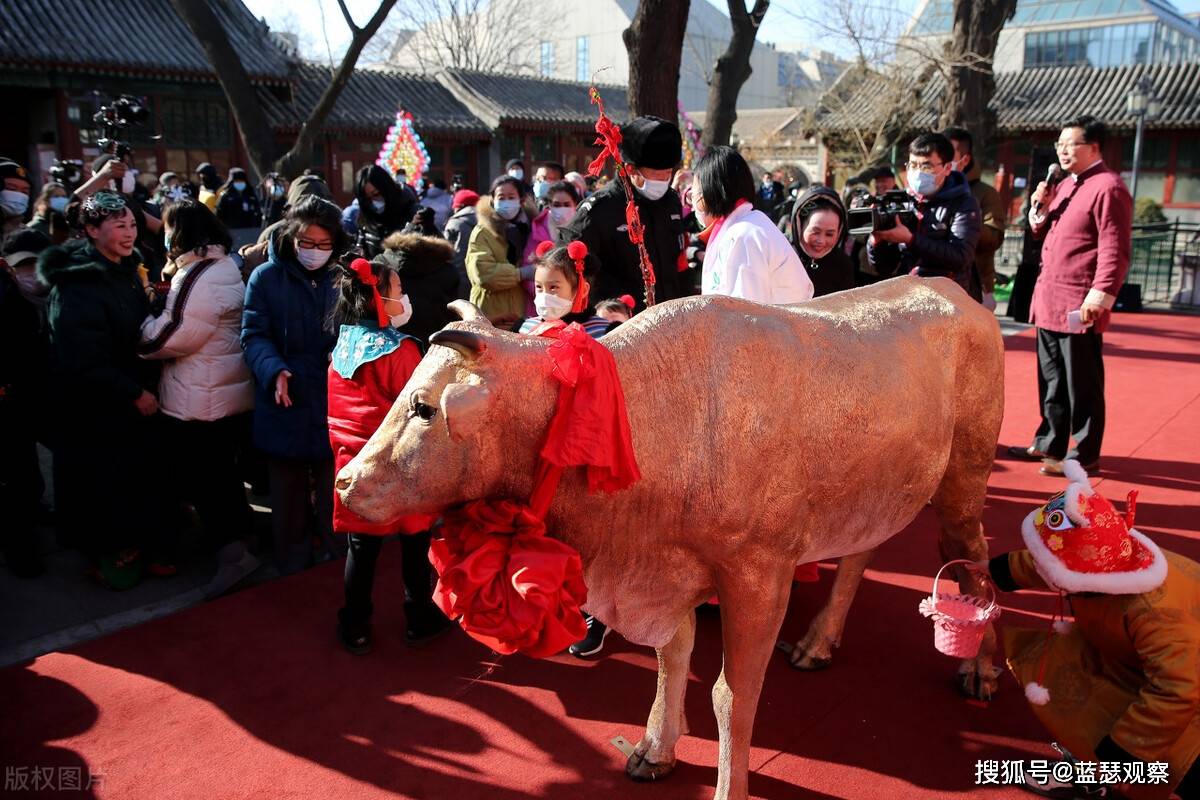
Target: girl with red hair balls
x=562 y=292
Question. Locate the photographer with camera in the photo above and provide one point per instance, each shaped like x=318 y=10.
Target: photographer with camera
x=939 y=237
x=384 y=208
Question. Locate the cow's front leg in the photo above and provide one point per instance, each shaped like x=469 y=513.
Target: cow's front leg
x=815 y=650
x=753 y=602
x=654 y=756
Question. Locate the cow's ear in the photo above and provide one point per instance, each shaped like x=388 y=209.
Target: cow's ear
x=464 y=408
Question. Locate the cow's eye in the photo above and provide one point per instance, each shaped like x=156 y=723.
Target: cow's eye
x=424 y=411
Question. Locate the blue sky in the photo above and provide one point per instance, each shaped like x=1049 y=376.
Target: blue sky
x=785 y=23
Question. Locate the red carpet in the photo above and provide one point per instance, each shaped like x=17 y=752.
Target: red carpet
x=251 y=697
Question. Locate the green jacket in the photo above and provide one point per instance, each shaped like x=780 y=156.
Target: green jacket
x=95 y=312
x=495 y=281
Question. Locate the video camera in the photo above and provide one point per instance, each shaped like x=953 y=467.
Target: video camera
x=869 y=212
x=125 y=112
x=68 y=172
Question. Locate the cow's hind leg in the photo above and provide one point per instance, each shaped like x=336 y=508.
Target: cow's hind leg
x=753 y=602
x=654 y=756
x=959 y=503
x=815 y=650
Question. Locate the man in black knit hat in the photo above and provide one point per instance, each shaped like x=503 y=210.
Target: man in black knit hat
x=653 y=148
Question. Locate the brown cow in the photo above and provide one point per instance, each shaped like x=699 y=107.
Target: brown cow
x=766 y=437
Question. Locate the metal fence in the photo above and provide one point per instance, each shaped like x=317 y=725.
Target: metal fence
x=1164 y=264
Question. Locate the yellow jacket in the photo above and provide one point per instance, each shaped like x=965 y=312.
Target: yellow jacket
x=1126 y=677
x=495 y=281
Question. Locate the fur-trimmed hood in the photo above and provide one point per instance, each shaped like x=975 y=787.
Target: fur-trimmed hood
x=412 y=254
x=79 y=260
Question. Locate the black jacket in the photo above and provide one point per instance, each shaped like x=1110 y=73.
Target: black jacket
x=95 y=312
x=600 y=224
x=943 y=242
x=427 y=276
x=834 y=271
x=400 y=203
x=239 y=209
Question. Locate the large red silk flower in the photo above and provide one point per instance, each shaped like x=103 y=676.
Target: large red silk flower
x=511 y=587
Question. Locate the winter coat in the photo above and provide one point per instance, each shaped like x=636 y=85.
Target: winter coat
x=95 y=312
x=493 y=253
x=1085 y=255
x=458 y=233
x=439 y=200
x=23 y=357
x=426 y=268
x=369 y=370
x=943 y=242
x=284 y=327
x=239 y=209
x=833 y=272
x=400 y=203
x=993 y=220
x=1123 y=681
x=600 y=224
x=749 y=258
x=200 y=330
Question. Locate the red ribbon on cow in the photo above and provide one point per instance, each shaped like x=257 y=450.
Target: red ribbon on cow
x=511 y=586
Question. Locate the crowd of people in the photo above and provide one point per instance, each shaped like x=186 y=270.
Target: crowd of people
x=140 y=340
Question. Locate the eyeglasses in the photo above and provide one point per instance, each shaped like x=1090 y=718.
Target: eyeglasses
x=927 y=167
x=309 y=244
x=1069 y=145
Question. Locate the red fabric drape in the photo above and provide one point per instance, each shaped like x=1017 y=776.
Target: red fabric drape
x=510 y=586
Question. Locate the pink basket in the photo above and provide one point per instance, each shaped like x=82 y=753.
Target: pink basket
x=959 y=620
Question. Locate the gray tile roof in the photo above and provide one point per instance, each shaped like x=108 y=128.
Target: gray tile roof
x=369 y=102
x=1032 y=99
x=142 y=37
x=499 y=98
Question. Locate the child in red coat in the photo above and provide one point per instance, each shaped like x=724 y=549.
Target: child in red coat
x=371 y=363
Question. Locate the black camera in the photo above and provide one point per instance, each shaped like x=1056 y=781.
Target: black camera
x=68 y=172
x=124 y=112
x=878 y=212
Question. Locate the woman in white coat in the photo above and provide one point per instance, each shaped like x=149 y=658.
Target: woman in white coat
x=745 y=255
x=206 y=390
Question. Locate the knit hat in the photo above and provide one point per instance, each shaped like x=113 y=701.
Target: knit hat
x=1079 y=543
x=11 y=169
x=464 y=198
x=652 y=143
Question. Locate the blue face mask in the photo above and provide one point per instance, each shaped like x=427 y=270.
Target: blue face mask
x=508 y=209
x=58 y=204
x=541 y=189
x=239 y=185
x=923 y=183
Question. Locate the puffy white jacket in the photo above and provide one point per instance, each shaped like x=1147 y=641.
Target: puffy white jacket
x=200 y=330
x=750 y=258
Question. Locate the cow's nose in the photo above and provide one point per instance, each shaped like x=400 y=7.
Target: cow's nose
x=343 y=482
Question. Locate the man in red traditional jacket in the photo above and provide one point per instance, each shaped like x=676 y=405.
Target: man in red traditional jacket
x=1087 y=223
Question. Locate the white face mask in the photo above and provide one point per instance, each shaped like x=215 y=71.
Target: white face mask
x=551 y=306
x=519 y=174
x=312 y=258
x=401 y=319
x=561 y=215
x=379 y=205
x=127 y=183
x=653 y=190
x=702 y=217
x=508 y=209
x=14 y=203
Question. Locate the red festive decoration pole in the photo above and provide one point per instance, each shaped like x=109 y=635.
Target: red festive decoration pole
x=609 y=140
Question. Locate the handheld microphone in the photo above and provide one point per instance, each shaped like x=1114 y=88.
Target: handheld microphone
x=1054 y=174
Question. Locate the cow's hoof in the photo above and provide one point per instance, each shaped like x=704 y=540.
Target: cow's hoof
x=807 y=662
x=641 y=769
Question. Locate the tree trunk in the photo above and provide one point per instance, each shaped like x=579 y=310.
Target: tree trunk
x=969 y=53
x=654 y=41
x=731 y=72
x=298 y=157
x=243 y=99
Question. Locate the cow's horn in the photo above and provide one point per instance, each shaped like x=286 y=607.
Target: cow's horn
x=469 y=343
x=468 y=312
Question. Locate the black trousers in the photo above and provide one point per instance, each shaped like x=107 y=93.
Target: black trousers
x=301 y=504
x=361 y=561
x=207 y=455
x=21 y=485
x=1071 y=392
